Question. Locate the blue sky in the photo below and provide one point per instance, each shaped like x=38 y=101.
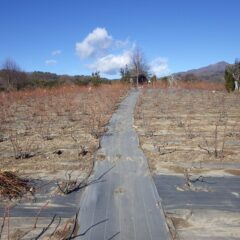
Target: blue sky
x=80 y=36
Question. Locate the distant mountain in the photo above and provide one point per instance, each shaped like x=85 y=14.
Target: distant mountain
x=211 y=73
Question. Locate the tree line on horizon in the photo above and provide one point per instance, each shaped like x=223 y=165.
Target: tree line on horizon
x=12 y=77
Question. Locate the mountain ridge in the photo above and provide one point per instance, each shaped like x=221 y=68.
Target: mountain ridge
x=212 y=72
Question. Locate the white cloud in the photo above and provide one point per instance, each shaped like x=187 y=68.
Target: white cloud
x=56 y=52
x=50 y=62
x=111 y=64
x=124 y=44
x=108 y=55
x=159 y=66
x=95 y=44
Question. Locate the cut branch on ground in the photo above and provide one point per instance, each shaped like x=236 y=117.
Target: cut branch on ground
x=12 y=186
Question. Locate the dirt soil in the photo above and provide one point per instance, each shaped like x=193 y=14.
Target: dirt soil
x=194 y=129
x=192 y=133
x=50 y=135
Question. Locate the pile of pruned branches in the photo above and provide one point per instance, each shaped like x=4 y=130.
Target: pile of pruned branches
x=12 y=186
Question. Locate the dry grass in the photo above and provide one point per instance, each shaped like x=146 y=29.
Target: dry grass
x=184 y=128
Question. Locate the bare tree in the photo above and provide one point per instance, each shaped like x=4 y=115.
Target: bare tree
x=138 y=64
x=125 y=74
x=12 y=75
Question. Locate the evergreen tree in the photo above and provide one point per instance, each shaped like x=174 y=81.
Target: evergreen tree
x=229 y=80
x=232 y=76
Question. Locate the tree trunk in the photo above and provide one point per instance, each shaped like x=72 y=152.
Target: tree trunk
x=137 y=76
x=236 y=85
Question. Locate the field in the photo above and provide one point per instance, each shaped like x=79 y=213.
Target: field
x=48 y=138
x=192 y=137
x=182 y=129
x=45 y=130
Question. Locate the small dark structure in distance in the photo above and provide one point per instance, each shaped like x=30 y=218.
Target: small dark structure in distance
x=142 y=79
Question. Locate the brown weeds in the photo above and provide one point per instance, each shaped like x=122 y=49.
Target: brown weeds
x=12 y=186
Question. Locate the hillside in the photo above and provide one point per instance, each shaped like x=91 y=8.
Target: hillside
x=20 y=79
x=211 y=73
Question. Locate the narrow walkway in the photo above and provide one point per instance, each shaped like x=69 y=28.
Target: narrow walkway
x=124 y=204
